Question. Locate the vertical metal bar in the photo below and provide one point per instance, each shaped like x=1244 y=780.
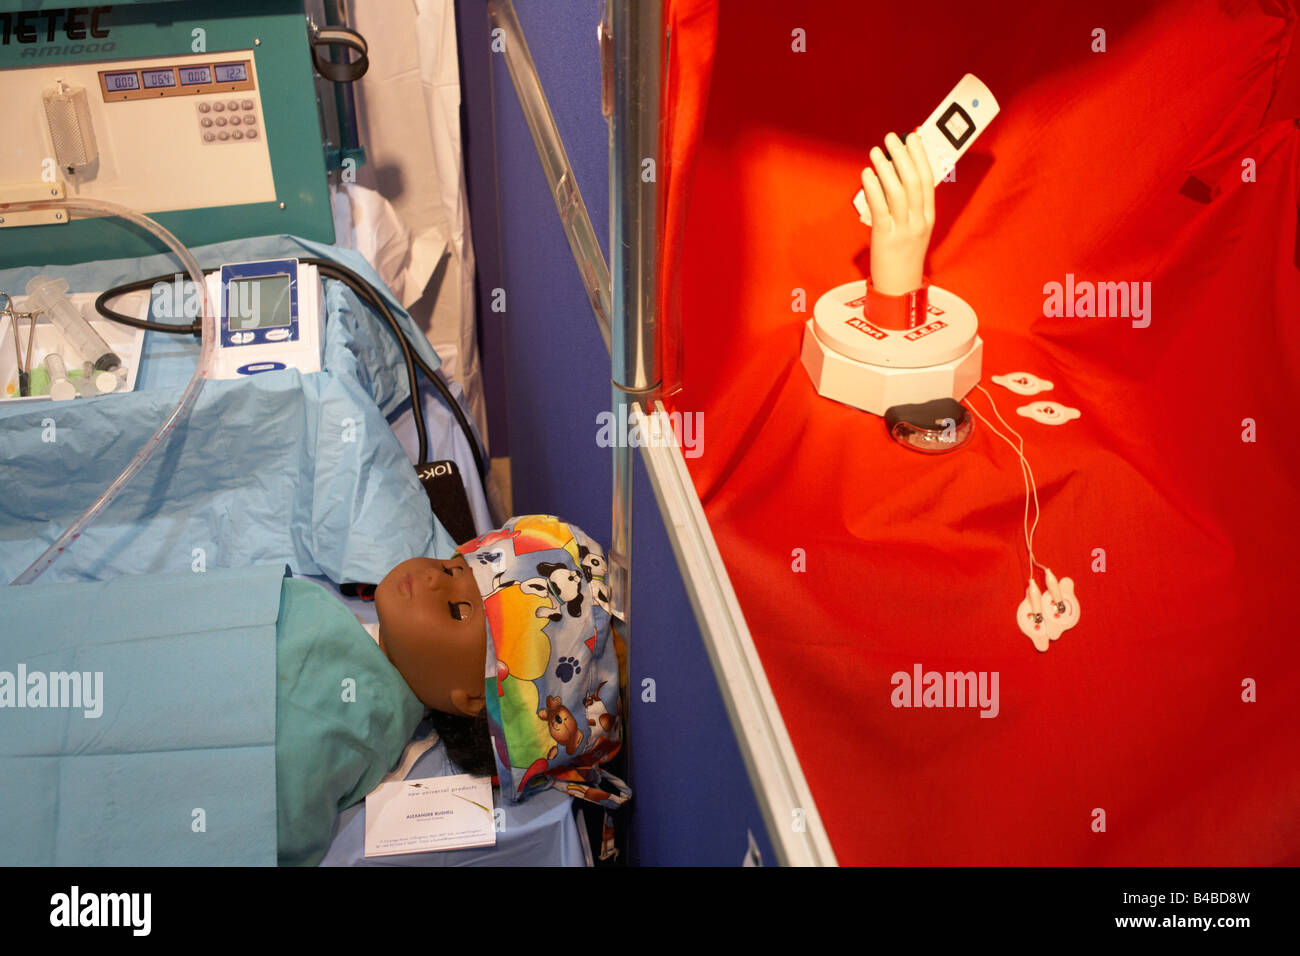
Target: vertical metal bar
x=636 y=29
x=336 y=15
x=555 y=162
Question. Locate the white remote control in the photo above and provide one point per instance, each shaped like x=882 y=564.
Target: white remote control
x=948 y=132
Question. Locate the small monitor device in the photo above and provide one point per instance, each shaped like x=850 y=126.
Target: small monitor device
x=948 y=132
x=268 y=318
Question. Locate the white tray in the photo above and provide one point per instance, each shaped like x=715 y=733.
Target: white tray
x=124 y=340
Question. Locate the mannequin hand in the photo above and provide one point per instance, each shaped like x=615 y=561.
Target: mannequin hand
x=900 y=196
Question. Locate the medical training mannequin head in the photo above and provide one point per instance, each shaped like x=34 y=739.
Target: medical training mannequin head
x=432 y=627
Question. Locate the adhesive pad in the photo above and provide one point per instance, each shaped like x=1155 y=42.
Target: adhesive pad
x=1049 y=413
x=1023 y=383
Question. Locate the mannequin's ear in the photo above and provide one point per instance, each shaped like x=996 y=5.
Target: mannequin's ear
x=467 y=705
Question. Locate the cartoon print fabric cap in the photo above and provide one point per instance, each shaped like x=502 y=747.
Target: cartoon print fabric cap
x=552 y=668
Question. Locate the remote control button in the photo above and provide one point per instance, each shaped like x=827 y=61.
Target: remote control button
x=250 y=120
x=251 y=134
x=209 y=137
x=237 y=134
x=205 y=107
x=218 y=107
x=233 y=105
x=221 y=121
x=246 y=104
x=206 y=121
x=223 y=135
x=234 y=121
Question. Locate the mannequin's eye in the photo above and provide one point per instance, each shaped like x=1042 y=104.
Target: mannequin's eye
x=460 y=610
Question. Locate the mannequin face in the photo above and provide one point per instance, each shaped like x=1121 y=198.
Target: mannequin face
x=432 y=628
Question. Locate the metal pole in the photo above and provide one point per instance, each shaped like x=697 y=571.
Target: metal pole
x=637 y=33
x=555 y=162
x=336 y=15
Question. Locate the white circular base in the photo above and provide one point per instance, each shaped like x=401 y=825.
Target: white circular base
x=840 y=324
x=854 y=362
x=875 y=388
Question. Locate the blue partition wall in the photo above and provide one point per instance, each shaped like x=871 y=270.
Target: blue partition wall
x=547 y=377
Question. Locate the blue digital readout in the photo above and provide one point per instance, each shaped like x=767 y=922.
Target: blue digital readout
x=232 y=72
x=120 y=82
x=195 y=75
x=158 y=79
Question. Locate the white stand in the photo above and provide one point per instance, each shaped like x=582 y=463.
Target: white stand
x=854 y=362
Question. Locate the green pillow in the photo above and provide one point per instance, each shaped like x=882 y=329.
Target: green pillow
x=343 y=716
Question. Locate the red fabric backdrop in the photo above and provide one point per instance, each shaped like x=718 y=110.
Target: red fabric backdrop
x=1123 y=165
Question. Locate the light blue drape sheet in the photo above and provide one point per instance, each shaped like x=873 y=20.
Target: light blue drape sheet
x=179 y=766
x=302 y=469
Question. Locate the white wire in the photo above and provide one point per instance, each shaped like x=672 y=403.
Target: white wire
x=1026 y=474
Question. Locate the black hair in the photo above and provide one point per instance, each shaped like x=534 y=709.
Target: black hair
x=468 y=743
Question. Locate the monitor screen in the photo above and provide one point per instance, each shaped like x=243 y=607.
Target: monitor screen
x=231 y=72
x=195 y=75
x=158 y=79
x=117 y=82
x=261 y=303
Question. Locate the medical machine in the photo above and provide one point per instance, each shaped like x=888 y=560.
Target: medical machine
x=207 y=123
x=268 y=318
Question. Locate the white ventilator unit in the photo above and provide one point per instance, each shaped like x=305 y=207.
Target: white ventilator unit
x=142 y=132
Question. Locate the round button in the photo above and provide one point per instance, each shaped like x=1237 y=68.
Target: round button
x=251 y=134
x=234 y=121
x=209 y=137
x=223 y=135
x=218 y=107
x=221 y=121
x=206 y=121
x=246 y=104
x=233 y=105
x=250 y=119
x=205 y=107
x=237 y=134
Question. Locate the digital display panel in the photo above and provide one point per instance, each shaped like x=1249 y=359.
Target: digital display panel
x=195 y=75
x=261 y=303
x=116 y=82
x=232 y=72
x=158 y=79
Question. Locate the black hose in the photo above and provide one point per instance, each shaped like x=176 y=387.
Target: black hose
x=366 y=293
x=101 y=306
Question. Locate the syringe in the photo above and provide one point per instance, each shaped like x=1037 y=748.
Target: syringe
x=49 y=296
x=61 y=387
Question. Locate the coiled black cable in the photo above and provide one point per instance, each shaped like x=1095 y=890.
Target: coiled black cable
x=367 y=294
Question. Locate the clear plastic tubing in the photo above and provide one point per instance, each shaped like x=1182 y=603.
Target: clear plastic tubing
x=50 y=296
x=177 y=414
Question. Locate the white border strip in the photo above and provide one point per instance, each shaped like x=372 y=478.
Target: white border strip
x=779 y=785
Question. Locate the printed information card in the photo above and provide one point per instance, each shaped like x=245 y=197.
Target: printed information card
x=436 y=813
